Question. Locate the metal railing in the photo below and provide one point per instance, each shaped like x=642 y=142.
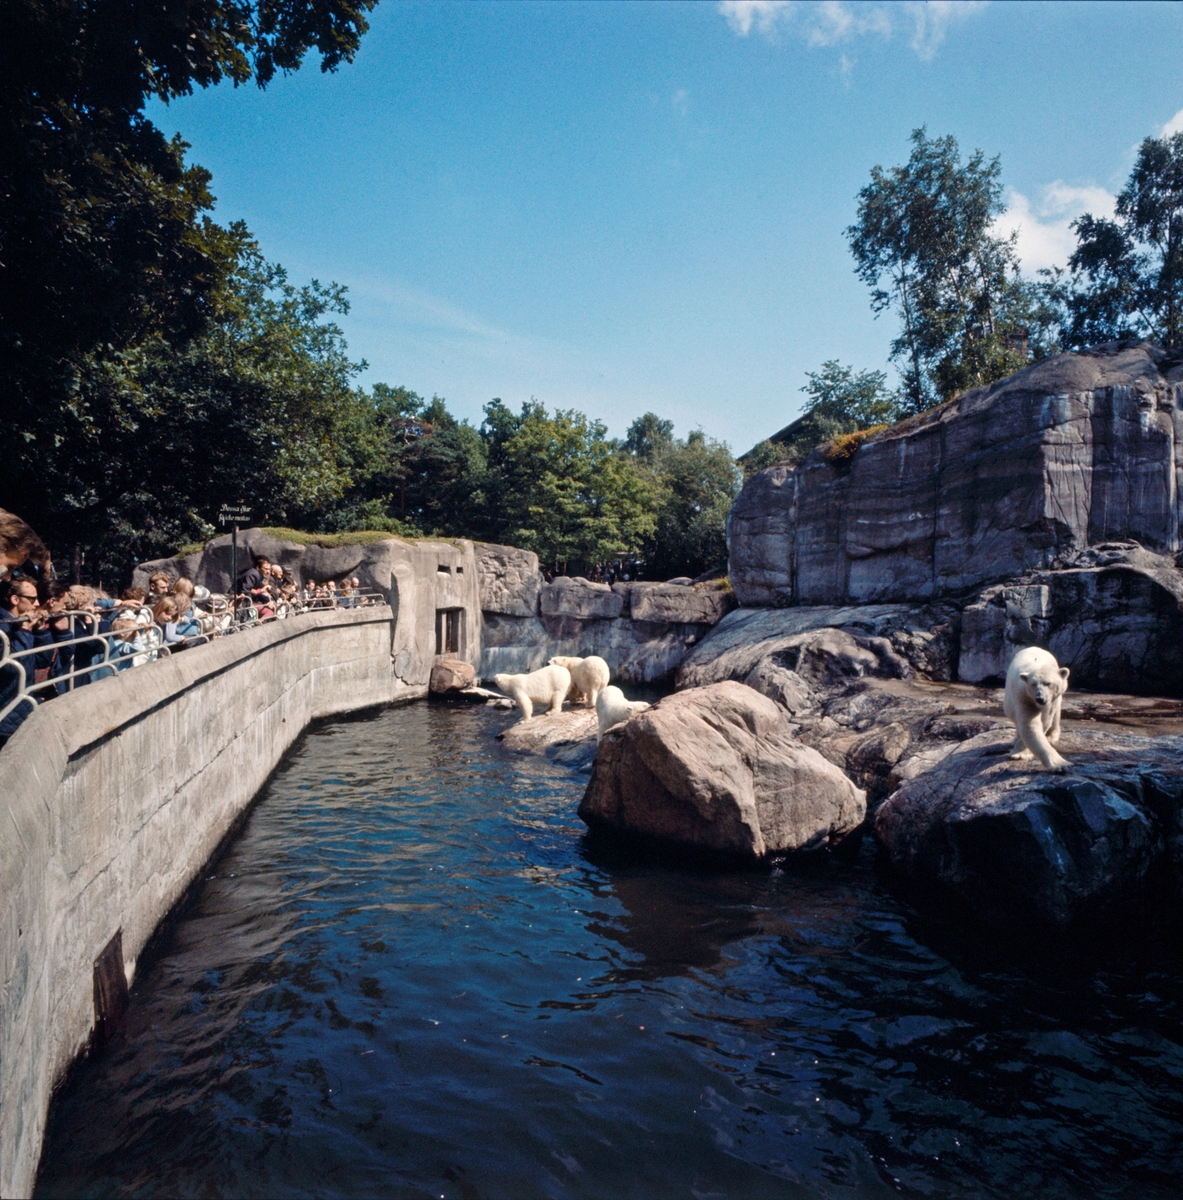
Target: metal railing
x=112 y=651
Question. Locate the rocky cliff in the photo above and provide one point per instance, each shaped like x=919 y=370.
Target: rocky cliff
x=642 y=630
x=1024 y=475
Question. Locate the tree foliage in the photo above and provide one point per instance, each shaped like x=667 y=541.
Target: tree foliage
x=923 y=243
x=104 y=242
x=1126 y=275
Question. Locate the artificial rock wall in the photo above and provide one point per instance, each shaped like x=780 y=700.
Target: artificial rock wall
x=642 y=630
x=1026 y=474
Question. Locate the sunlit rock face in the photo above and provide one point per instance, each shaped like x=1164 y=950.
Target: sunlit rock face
x=1026 y=474
x=642 y=630
x=718 y=768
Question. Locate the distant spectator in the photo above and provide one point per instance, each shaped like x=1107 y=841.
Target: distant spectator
x=20 y=548
x=159 y=584
x=22 y=620
x=255 y=578
x=188 y=616
x=166 y=613
x=127 y=643
x=82 y=602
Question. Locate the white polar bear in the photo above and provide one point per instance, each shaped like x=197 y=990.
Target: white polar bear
x=1035 y=687
x=589 y=676
x=612 y=708
x=547 y=685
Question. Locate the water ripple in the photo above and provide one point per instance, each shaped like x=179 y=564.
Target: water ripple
x=414 y=974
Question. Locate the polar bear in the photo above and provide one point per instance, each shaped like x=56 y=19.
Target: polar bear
x=547 y=685
x=612 y=708
x=1035 y=687
x=589 y=676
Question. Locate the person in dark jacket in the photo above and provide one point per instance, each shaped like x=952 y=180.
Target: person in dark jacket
x=21 y=621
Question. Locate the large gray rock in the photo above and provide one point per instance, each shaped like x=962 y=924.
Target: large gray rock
x=568 y=737
x=1025 y=474
x=1018 y=844
x=567 y=597
x=679 y=604
x=451 y=675
x=922 y=640
x=510 y=580
x=1115 y=618
x=637 y=652
x=718 y=768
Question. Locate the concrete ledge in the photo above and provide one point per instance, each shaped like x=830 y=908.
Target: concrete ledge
x=112 y=799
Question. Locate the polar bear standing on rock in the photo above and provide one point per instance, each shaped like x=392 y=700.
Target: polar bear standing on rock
x=589 y=676
x=547 y=685
x=612 y=708
x=1035 y=687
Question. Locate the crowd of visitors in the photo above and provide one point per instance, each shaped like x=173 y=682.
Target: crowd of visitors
x=61 y=636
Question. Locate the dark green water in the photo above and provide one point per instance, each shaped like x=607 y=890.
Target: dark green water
x=412 y=974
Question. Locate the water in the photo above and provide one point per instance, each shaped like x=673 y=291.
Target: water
x=412 y=974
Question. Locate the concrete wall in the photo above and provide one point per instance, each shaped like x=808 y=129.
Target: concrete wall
x=114 y=796
x=642 y=630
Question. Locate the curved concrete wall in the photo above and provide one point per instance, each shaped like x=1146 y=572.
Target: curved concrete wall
x=114 y=796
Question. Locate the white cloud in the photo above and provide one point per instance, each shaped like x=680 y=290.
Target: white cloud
x=831 y=22
x=1174 y=125
x=932 y=18
x=1045 y=237
x=743 y=14
x=681 y=102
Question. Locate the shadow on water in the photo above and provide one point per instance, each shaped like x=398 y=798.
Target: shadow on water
x=414 y=973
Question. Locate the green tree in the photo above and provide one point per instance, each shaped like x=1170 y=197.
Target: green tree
x=556 y=485
x=922 y=242
x=1126 y=275
x=108 y=262
x=841 y=401
x=649 y=437
x=157 y=437
x=699 y=482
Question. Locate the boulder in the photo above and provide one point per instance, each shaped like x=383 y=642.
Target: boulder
x=1114 y=617
x=678 y=604
x=510 y=582
x=1022 y=475
x=451 y=675
x=920 y=640
x=567 y=597
x=1017 y=844
x=568 y=737
x=717 y=768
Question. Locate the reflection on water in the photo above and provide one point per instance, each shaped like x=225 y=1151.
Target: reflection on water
x=413 y=974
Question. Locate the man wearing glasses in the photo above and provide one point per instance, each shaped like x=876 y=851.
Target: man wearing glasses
x=22 y=620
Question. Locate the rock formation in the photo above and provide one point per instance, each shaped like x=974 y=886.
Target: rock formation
x=1018 y=845
x=642 y=630
x=717 y=768
x=451 y=675
x=1023 y=475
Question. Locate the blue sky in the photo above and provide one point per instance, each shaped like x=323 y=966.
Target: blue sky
x=631 y=207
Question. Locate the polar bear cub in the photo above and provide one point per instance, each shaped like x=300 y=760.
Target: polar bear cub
x=547 y=685
x=1035 y=687
x=589 y=676
x=612 y=708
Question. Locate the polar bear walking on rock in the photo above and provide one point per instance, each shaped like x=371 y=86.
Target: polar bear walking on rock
x=612 y=708
x=589 y=676
x=1035 y=687
x=547 y=685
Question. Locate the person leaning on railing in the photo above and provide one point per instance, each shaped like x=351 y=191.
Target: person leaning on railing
x=22 y=621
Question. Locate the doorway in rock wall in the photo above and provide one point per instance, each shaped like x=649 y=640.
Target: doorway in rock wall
x=450 y=634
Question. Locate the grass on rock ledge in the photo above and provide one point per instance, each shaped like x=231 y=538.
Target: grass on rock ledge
x=327 y=541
